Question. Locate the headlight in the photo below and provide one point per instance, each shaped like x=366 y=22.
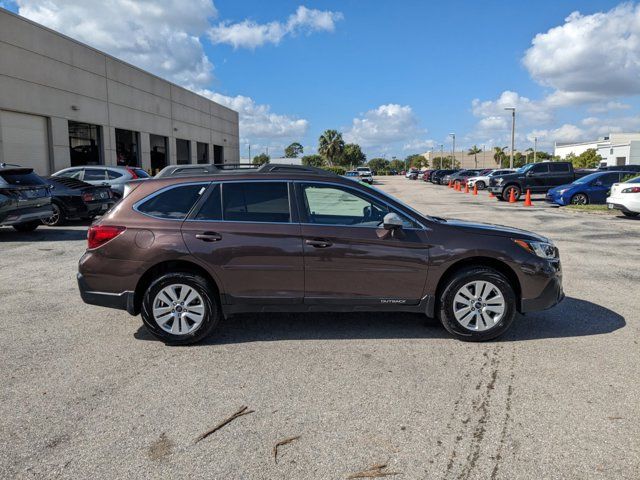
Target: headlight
x=561 y=192
x=541 y=249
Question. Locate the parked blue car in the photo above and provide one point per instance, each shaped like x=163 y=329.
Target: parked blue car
x=590 y=189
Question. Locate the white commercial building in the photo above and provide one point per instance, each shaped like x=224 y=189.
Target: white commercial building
x=63 y=103
x=616 y=149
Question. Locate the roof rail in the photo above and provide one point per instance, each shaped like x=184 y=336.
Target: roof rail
x=279 y=167
x=231 y=168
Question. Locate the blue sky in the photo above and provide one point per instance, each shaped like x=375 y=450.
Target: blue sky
x=394 y=76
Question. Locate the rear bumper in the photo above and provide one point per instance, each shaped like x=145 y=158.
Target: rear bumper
x=25 y=215
x=121 y=301
x=551 y=295
x=619 y=206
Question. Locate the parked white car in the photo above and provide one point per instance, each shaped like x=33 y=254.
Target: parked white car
x=483 y=180
x=626 y=197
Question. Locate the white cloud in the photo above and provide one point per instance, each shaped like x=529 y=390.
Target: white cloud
x=258 y=121
x=608 y=107
x=249 y=34
x=161 y=36
x=564 y=133
x=419 y=146
x=530 y=111
x=386 y=124
x=595 y=54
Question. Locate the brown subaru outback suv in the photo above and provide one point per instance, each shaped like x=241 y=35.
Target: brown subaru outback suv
x=188 y=248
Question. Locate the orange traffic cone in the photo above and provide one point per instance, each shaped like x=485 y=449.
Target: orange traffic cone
x=527 y=199
x=475 y=189
x=455 y=185
x=491 y=195
x=450 y=184
x=466 y=188
x=512 y=195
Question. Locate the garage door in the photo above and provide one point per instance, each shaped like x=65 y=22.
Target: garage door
x=24 y=141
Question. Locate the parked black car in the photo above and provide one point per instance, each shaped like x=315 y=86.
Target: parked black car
x=25 y=198
x=437 y=176
x=75 y=199
x=536 y=177
x=626 y=168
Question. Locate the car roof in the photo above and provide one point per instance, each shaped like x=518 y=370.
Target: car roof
x=236 y=170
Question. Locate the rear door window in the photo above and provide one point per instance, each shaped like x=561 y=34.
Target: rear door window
x=112 y=174
x=559 y=167
x=173 y=203
x=76 y=173
x=256 y=202
x=211 y=209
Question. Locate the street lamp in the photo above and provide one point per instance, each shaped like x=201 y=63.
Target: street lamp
x=441 y=154
x=513 y=132
x=535 y=149
x=453 y=150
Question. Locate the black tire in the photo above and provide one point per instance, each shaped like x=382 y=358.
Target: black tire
x=579 y=199
x=58 y=217
x=507 y=190
x=459 y=280
x=27 y=227
x=481 y=185
x=202 y=287
x=630 y=214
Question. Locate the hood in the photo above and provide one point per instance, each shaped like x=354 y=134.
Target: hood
x=496 y=230
x=566 y=186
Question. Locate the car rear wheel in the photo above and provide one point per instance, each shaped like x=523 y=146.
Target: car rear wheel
x=477 y=304
x=481 y=185
x=57 y=218
x=579 y=199
x=27 y=227
x=630 y=214
x=180 y=308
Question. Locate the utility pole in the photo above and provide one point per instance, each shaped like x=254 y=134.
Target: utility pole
x=453 y=150
x=441 y=154
x=513 y=133
x=249 y=153
x=484 y=157
x=535 y=149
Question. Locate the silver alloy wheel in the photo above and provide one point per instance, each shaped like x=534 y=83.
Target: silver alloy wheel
x=579 y=199
x=479 y=306
x=55 y=218
x=178 y=309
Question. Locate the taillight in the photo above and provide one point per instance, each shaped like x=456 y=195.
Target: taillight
x=631 y=190
x=87 y=197
x=133 y=173
x=100 y=234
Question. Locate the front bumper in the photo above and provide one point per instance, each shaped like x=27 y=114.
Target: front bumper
x=555 y=199
x=551 y=294
x=120 y=301
x=25 y=215
x=495 y=189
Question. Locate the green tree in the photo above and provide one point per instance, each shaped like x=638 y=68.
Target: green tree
x=543 y=156
x=293 y=150
x=416 y=161
x=587 y=159
x=500 y=156
x=379 y=164
x=475 y=151
x=331 y=145
x=261 y=159
x=396 y=165
x=313 y=160
x=352 y=156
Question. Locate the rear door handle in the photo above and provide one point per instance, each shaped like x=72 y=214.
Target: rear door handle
x=318 y=243
x=209 y=237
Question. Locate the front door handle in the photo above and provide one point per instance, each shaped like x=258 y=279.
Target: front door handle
x=209 y=237
x=318 y=242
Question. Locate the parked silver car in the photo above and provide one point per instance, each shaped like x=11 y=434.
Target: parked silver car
x=482 y=181
x=105 y=175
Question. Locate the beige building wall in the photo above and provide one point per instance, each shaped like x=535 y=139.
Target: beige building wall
x=484 y=159
x=50 y=75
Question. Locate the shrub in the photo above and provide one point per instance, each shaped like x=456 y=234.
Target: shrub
x=336 y=170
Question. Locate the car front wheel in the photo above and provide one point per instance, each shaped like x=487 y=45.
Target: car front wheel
x=481 y=185
x=57 y=218
x=579 y=199
x=180 y=308
x=477 y=304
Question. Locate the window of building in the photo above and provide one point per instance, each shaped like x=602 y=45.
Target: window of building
x=85 y=144
x=183 y=151
x=212 y=207
x=256 y=202
x=127 y=148
x=202 y=152
x=218 y=154
x=173 y=203
x=158 y=154
x=621 y=161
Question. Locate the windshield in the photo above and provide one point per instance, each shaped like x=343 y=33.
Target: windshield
x=634 y=180
x=588 y=178
x=525 y=168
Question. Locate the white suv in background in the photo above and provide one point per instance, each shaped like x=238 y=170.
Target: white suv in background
x=109 y=176
x=626 y=197
x=483 y=180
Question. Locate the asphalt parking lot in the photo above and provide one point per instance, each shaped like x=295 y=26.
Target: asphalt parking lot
x=87 y=393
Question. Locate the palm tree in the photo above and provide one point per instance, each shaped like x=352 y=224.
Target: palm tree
x=499 y=155
x=331 y=145
x=475 y=151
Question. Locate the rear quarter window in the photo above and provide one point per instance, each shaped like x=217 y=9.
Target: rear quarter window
x=173 y=203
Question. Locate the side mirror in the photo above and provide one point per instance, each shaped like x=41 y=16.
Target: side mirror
x=530 y=174
x=392 y=221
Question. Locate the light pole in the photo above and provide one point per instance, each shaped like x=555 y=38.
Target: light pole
x=513 y=133
x=535 y=149
x=453 y=150
x=441 y=154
